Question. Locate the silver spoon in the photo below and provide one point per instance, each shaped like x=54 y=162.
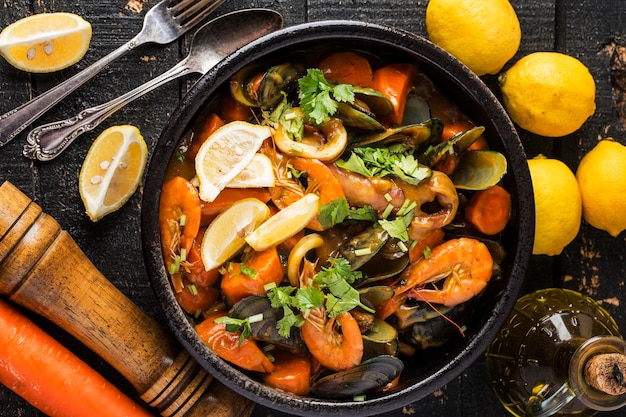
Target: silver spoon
x=164 y=23
x=210 y=44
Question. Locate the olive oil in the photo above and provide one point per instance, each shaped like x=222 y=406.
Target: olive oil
x=544 y=360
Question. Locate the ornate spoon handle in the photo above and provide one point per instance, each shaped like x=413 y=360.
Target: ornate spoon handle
x=42 y=269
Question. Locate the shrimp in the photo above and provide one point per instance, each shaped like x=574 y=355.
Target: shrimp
x=464 y=264
x=437 y=188
x=179 y=223
x=320 y=180
x=334 y=350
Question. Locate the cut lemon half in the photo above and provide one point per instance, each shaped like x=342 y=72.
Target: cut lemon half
x=224 y=237
x=284 y=224
x=226 y=153
x=258 y=173
x=45 y=42
x=112 y=170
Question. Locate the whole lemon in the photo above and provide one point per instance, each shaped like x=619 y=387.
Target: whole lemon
x=558 y=205
x=601 y=177
x=549 y=93
x=483 y=34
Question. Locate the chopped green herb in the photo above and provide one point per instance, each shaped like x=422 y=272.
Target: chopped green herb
x=234 y=325
x=398 y=227
x=333 y=212
x=318 y=99
x=382 y=162
x=247 y=271
x=363 y=213
x=289 y=320
x=193 y=290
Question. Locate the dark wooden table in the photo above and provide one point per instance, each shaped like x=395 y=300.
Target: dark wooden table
x=594 y=263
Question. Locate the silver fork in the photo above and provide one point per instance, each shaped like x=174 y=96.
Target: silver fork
x=162 y=24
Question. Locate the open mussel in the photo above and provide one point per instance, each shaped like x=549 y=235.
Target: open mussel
x=362 y=247
x=370 y=375
x=358 y=117
x=410 y=136
x=259 y=86
x=380 y=339
x=416 y=110
x=479 y=170
x=266 y=329
x=454 y=146
x=440 y=329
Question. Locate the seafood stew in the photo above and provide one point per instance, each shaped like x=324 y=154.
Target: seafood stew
x=389 y=250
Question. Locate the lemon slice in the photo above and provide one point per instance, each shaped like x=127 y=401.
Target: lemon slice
x=224 y=237
x=112 y=170
x=226 y=153
x=45 y=42
x=284 y=224
x=258 y=173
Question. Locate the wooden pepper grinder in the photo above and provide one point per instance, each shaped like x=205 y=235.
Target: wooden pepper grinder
x=34 y=258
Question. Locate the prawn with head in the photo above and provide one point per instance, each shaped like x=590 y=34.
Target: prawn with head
x=179 y=224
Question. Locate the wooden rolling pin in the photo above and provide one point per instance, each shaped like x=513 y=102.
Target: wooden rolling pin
x=42 y=269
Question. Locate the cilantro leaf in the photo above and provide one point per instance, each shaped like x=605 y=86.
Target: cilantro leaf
x=363 y=213
x=281 y=296
x=308 y=298
x=333 y=212
x=398 y=227
x=382 y=162
x=318 y=99
x=289 y=320
x=234 y=325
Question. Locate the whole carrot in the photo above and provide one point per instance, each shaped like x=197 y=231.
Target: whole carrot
x=50 y=377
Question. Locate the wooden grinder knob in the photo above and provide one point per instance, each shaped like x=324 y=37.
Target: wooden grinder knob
x=34 y=258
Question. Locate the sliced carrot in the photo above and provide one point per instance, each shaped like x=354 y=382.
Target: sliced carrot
x=292 y=373
x=232 y=110
x=347 y=67
x=489 y=210
x=194 y=298
x=225 y=344
x=227 y=197
x=208 y=126
x=395 y=82
x=451 y=129
x=50 y=377
x=264 y=268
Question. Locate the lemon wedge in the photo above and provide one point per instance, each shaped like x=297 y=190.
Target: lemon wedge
x=225 y=153
x=284 y=224
x=112 y=170
x=258 y=173
x=224 y=237
x=45 y=42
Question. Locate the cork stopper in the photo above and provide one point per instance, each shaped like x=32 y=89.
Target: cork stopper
x=607 y=373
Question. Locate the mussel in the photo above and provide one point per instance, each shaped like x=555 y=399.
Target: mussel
x=266 y=329
x=454 y=146
x=370 y=375
x=416 y=110
x=255 y=87
x=409 y=136
x=479 y=170
x=362 y=247
x=440 y=329
x=380 y=339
